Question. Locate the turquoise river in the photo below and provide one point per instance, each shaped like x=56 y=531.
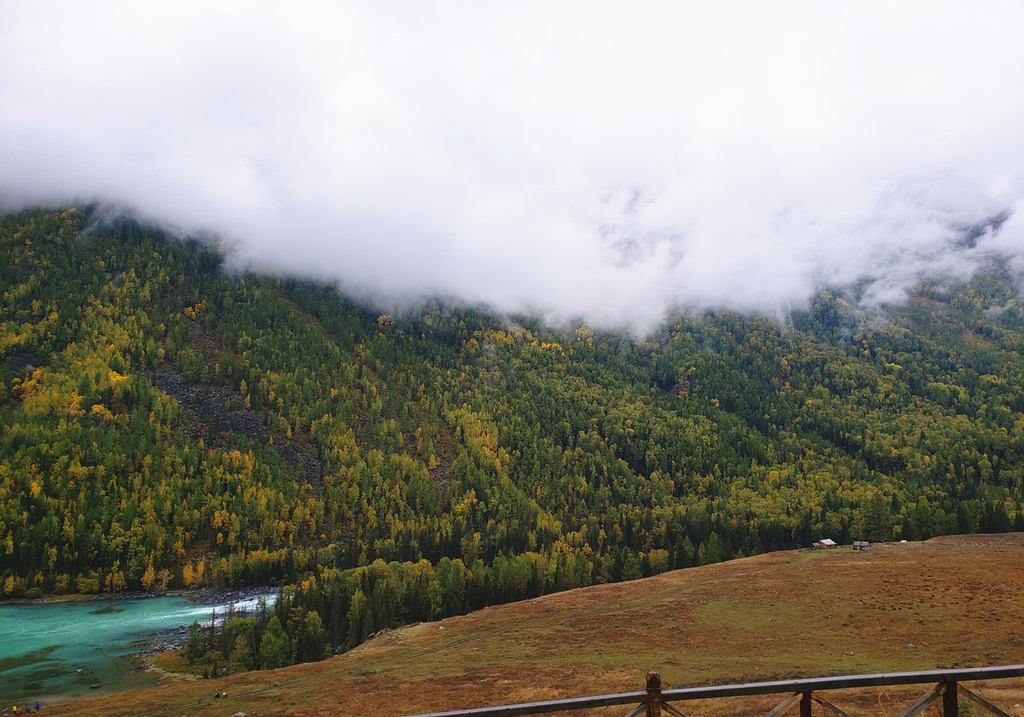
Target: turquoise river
x=59 y=650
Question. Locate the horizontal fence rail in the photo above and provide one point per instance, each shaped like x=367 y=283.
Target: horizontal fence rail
x=654 y=700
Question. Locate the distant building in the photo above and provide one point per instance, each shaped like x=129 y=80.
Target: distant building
x=861 y=545
x=824 y=544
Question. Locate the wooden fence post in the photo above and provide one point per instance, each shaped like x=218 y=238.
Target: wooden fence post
x=654 y=694
x=950 y=706
x=805 y=705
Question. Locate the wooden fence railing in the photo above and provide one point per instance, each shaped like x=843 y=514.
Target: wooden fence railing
x=655 y=701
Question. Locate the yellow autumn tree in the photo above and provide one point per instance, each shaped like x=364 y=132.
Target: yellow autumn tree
x=148 y=577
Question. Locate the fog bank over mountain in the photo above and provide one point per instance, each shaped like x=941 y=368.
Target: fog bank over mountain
x=600 y=160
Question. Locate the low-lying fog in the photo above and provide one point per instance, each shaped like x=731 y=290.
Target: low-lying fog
x=601 y=160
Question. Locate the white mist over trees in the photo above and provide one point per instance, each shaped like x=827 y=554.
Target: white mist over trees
x=597 y=160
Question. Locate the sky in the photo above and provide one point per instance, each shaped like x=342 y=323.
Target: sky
x=604 y=161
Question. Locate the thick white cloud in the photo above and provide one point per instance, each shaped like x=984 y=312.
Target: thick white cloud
x=603 y=160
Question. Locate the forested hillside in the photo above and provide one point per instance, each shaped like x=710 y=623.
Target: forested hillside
x=164 y=424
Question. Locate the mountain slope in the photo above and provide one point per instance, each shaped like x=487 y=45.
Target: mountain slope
x=164 y=424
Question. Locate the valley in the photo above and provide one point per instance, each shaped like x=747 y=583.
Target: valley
x=945 y=603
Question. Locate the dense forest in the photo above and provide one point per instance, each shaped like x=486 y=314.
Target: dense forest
x=165 y=424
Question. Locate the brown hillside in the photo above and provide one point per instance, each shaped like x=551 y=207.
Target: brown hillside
x=949 y=602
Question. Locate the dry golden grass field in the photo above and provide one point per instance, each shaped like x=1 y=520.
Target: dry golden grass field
x=949 y=602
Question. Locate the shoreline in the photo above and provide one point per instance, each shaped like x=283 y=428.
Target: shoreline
x=200 y=596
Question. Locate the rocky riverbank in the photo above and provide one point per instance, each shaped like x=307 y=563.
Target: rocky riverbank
x=204 y=597
x=162 y=641
x=175 y=638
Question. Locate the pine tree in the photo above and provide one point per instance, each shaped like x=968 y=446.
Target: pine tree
x=273 y=646
x=875 y=518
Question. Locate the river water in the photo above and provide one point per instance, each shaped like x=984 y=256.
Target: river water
x=61 y=649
